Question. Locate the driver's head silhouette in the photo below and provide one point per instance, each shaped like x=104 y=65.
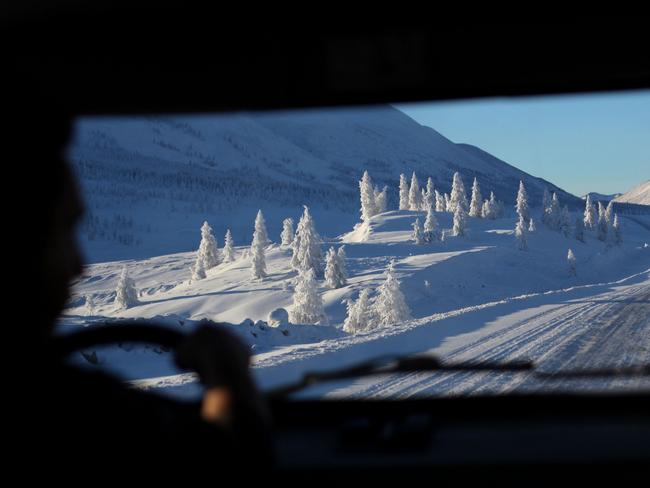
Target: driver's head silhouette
x=72 y=402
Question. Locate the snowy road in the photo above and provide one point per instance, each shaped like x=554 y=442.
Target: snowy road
x=610 y=328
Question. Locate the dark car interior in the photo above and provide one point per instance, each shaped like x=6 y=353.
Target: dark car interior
x=142 y=58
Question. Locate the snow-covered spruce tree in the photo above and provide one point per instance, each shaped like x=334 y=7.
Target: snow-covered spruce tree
x=286 y=237
x=460 y=221
x=257 y=251
x=340 y=254
x=381 y=200
x=359 y=314
x=616 y=227
x=458 y=195
x=260 y=228
x=440 y=202
x=448 y=204
x=520 y=234
x=489 y=210
x=546 y=202
x=430 y=226
x=571 y=263
x=418 y=234
x=390 y=306
x=429 y=199
x=522 y=202
x=415 y=197
x=553 y=214
x=334 y=269
x=476 y=204
x=579 y=230
x=198 y=271
x=307 y=303
x=208 y=251
x=306 y=249
x=590 y=217
x=602 y=223
x=403 y=193
x=609 y=212
x=367 y=194
x=423 y=199
x=126 y=295
x=565 y=221
x=228 y=252
x=531 y=225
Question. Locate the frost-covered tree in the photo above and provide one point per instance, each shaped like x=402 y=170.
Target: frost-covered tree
x=602 y=223
x=546 y=202
x=489 y=210
x=342 y=260
x=590 y=217
x=522 y=202
x=335 y=275
x=553 y=211
x=531 y=225
x=476 y=204
x=260 y=228
x=390 y=306
x=367 y=193
x=198 y=270
x=403 y=193
x=257 y=252
x=616 y=228
x=579 y=230
x=415 y=196
x=565 y=221
x=520 y=234
x=440 y=202
x=306 y=245
x=458 y=195
x=307 y=303
x=448 y=203
x=359 y=314
x=460 y=221
x=228 y=248
x=418 y=234
x=429 y=197
x=208 y=252
x=126 y=296
x=571 y=263
x=430 y=226
x=286 y=237
x=381 y=200
x=609 y=213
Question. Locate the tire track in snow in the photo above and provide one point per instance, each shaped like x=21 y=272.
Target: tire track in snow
x=540 y=342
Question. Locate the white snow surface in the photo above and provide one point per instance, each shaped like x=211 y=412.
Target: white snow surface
x=485 y=300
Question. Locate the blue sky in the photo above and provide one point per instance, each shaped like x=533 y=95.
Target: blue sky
x=581 y=143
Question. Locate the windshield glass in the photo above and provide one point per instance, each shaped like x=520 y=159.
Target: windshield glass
x=489 y=230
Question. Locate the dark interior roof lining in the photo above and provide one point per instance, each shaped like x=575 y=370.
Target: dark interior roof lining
x=180 y=60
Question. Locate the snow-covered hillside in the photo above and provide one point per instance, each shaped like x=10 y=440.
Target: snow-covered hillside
x=453 y=288
x=640 y=194
x=149 y=182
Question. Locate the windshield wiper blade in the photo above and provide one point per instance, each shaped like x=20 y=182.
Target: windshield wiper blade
x=420 y=364
x=390 y=365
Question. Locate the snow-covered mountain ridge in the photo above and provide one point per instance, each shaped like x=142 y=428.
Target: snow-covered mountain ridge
x=149 y=182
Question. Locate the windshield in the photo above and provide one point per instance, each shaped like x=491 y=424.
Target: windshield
x=489 y=230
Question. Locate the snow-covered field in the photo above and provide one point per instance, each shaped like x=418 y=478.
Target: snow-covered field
x=474 y=297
